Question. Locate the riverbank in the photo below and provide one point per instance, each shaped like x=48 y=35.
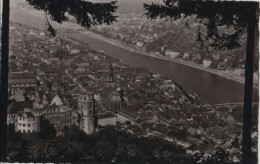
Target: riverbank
x=212 y=89
x=66 y=25
x=225 y=74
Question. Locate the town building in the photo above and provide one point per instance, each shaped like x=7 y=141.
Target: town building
x=27 y=122
x=124 y=116
x=86 y=105
x=114 y=100
x=171 y=54
x=106 y=119
x=52 y=72
x=26 y=118
x=25 y=81
x=110 y=77
x=206 y=63
x=59 y=116
x=16 y=107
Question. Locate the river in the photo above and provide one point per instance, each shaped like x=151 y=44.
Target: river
x=210 y=87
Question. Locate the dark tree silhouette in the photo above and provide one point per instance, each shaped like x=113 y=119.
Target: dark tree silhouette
x=236 y=16
x=220 y=156
x=86 y=13
x=16 y=145
x=47 y=130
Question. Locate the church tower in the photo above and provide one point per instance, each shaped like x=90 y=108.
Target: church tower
x=110 y=76
x=86 y=106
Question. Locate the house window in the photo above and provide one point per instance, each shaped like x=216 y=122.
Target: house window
x=23 y=131
x=19 y=124
x=23 y=125
x=29 y=125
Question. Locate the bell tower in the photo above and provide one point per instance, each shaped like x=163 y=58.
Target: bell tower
x=110 y=76
x=86 y=106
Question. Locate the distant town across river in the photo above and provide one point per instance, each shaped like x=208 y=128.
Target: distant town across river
x=211 y=88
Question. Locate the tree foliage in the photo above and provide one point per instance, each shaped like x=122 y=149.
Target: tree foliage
x=47 y=130
x=232 y=16
x=87 y=14
x=220 y=156
x=16 y=146
x=73 y=145
x=214 y=15
x=109 y=145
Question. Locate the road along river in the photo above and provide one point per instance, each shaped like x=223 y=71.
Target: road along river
x=212 y=88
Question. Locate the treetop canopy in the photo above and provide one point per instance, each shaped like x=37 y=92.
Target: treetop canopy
x=212 y=14
x=86 y=13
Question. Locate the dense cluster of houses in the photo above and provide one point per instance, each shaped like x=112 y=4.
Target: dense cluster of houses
x=151 y=36
x=66 y=83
